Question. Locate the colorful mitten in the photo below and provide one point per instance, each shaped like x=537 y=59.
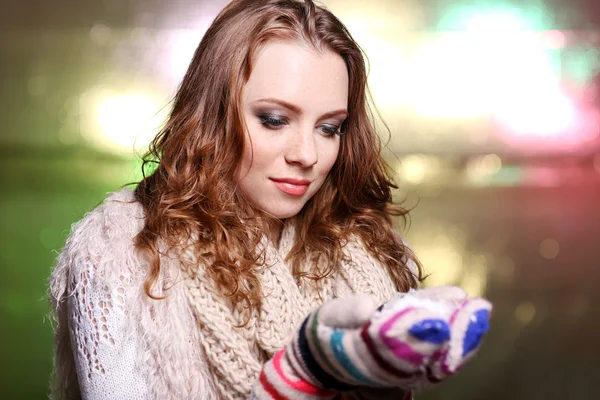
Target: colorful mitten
x=421 y=337
x=467 y=319
x=287 y=376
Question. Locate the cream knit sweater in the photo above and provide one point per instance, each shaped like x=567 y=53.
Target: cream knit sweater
x=114 y=342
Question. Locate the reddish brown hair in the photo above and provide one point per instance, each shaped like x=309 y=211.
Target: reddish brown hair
x=192 y=191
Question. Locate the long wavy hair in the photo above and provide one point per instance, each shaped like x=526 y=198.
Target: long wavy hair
x=191 y=191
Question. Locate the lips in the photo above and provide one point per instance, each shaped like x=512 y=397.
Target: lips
x=292 y=186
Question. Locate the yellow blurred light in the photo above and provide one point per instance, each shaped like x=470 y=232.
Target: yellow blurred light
x=491 y=163
x=473 y=280
x=126 y=121
x=441 y=248
x=480 y=168
x=416 y=168
x=442 y=260
x=413 y=169
x=525 y=312
x=120 y=122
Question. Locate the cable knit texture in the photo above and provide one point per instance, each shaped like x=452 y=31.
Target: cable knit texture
x=113 y=341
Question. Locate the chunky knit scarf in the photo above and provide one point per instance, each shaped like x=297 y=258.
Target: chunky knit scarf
x=236 y=354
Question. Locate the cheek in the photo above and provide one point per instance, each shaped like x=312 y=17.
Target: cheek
x=259 y=153
x=329 y=156
x=246 y=161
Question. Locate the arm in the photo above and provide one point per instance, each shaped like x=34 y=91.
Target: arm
x=104 y=342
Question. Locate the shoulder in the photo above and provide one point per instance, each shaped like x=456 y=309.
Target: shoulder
x=116 y=221
x=103 y=240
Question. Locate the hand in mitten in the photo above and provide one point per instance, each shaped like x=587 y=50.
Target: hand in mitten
x=346 y=344
x=294 y=373
x=467 y=321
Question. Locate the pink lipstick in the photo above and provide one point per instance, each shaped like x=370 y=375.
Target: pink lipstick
x=292 y=186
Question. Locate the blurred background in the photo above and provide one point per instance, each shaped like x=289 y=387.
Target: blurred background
x=493 y=109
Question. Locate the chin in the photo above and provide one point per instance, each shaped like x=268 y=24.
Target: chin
x=285 y=215
x=284 y=212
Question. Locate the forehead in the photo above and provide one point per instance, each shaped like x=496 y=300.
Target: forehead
x=299 y=74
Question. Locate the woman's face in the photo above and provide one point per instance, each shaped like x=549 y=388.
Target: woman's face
x=294 y=104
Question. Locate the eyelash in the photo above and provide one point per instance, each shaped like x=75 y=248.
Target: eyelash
x=274 y=122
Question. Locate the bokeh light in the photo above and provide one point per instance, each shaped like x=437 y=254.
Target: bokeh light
x=418 y=168
x=549 y=248
x=123 y=123
x=441 y=248
x=525 y=312
x=480 y=169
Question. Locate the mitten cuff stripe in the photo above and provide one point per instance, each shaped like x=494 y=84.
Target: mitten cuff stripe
x=337 y=347
x=298 y=385
x=317 y=343
x=313 y=365
x=269 y=388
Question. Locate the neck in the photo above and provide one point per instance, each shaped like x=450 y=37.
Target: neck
x=275 y=230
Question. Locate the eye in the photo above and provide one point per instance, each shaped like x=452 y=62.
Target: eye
x=330 y=130
x=272 y=121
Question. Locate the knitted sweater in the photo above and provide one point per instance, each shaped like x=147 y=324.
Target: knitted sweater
x=114 y=342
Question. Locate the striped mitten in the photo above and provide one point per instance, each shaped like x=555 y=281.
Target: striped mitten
x=467 y=320
x=348 y=343
x=287 y=375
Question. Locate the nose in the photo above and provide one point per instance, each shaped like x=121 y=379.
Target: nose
x=302 y=149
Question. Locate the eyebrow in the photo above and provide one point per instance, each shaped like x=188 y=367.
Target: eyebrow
x=294 y=108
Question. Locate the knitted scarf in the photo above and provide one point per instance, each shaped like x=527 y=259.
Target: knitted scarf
x=236 y=353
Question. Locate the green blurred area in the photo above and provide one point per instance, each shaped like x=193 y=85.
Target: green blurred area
x=40 y=200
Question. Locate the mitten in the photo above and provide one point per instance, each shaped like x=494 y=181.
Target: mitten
x=467 y=319
x=287 y=376
x=393 y=348
x=348 y=343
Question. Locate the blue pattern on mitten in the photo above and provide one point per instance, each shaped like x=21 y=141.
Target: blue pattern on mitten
x=478 y=326
x=434 y=331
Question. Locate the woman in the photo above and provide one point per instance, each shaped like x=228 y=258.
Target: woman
x=269 y=197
